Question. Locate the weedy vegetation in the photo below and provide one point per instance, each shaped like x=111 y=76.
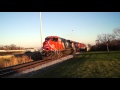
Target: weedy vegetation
x=6 y=62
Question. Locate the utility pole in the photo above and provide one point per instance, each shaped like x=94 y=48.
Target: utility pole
x=41 y=27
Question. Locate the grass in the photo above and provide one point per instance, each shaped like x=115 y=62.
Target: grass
x=87 y=65
x=6 y=56
x=11 y=60
x=6 y=62
x=11 y=53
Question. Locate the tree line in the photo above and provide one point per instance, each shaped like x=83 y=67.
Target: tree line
x=11 y=47
x=107 y=41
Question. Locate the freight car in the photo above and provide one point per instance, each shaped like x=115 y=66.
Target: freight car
x=55 y=46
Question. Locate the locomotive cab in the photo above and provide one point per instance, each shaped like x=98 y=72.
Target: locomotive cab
x=55 y=39
x=47 y=38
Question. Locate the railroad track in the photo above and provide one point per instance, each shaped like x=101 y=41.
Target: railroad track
x=22 y=67
x=19 y=68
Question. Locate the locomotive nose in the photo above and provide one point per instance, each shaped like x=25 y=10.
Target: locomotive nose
x=47 y=48
x=46 y=45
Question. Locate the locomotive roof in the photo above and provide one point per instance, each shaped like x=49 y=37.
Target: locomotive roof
x=54 y=36
x=51 y=36
x=64 y=39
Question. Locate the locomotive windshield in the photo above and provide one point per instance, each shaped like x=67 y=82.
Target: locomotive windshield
x=55 y=39
x=47 y=38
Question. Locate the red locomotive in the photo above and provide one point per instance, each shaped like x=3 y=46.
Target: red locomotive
x=57 y=46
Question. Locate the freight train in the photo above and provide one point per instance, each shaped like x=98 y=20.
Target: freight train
x=55 y=46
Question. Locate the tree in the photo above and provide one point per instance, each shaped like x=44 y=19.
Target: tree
x=13 y=47
x=117 y=33
x=89 y=45
x=106 y=39
x=1 y=48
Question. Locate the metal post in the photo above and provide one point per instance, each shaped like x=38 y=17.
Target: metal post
x=41 y=28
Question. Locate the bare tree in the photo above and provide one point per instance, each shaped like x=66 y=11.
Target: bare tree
x=13 y=47
x=1 y=47
x=106 y=39
x=117 y=33
x=89 y=45
x=7 y=47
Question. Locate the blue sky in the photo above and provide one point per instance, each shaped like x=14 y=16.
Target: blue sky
x=23 y=28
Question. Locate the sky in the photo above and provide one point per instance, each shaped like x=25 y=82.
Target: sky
x=23 y=28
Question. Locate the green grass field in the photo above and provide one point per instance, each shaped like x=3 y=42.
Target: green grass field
x=87 y=65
